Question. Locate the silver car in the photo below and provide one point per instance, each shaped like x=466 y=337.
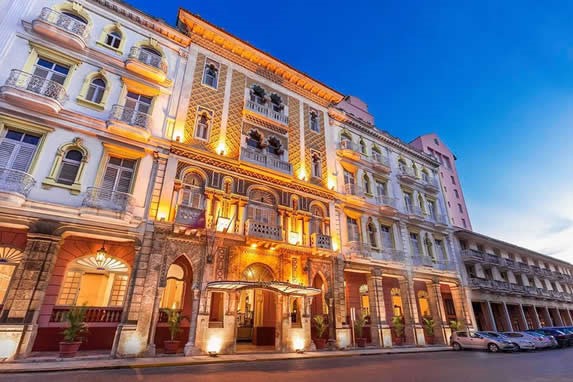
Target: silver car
x=468 y=340
x=542 y=341
x=523 y=341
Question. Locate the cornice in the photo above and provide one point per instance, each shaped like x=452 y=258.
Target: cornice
x=232 y=166
x=205 y=31
x=343 y=118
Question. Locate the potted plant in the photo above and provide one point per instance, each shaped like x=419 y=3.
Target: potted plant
x=455 y=325
x=398 y=326
x=429 y=324
x=74 y=318
x=359 y=324
x=320 y=325
x=174 y=318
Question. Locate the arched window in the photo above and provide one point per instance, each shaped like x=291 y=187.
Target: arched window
x=362 y=146
x=364 y=300
x=402 y=165
x=396 y=302
x=94 y=280
x=96 y=90
x=367 y=187
x=262 y=207
x=174 y=288
x=372 y=234
x=9 y=260
x=211 y=74
x=192 y=191
x=317 y=220
x=423 y=303
x=316 y=164
x=203 y=124
x=314 y=121
x=113 y=39
x=70 y=167
x=295 y=318
x=275 y=146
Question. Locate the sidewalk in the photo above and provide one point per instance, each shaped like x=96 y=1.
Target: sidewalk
x=97 y=362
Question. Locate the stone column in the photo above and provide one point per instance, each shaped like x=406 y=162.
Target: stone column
x=569 y=316
x=558 y=317
x=507 y=317
x=209 y=208
x=491 y=318
x=380 y=330
x=523 y=319
x=28 y=287
x=241 y=215
x=413 y=328
x=190 y=348
x=463 y=314
x=548 y=319
x=342 y=329
x=438 y=312
x=536 y=321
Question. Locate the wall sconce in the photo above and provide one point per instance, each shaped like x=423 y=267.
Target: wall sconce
x=178 y=138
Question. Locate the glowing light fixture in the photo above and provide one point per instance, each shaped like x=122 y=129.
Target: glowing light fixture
x=298 y=344
x=101 y=257
x=293 y=238
x=214 y=345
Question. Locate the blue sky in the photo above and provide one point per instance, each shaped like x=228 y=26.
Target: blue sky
x=493 y=78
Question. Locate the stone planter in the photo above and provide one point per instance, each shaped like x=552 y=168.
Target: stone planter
x=170 y=347
x=320 y=343
x=69 y=349
x=361 y=342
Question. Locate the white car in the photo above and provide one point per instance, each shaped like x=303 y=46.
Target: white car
x=520 y=342
x=540 y=341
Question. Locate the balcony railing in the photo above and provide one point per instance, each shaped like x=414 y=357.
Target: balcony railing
x=438 y=218
x=318 y=240
x=414 y=210
x=130 y=116
x=36 y=84
x=425 y=261
x=386 y=201
x=148 y=58
x=65 y=22
x=267 y=111
x=379 y=159
x=348 y=145
x=108 y=200
x=408 y=172
x=265 y=159
x=263 y=230
x=93 y=314
x=16 y=181
x=353 y=189
x=472 y=255
x=445 y=266
x=389 y=254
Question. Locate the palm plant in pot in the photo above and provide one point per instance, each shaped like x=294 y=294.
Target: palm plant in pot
x=359 y=324
x=320 y=325
x=398 y=327
x=76 y=327
x=174 y=318
x=456 y=325
x=429 y=324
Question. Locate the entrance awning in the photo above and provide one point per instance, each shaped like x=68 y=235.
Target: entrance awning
x=276 y=286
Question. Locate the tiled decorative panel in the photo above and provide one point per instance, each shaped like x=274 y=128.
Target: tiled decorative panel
x=208 y=98
x=315 y=141
x=294 y=136
x=234 y=119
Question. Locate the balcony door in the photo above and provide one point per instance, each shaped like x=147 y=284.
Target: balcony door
x=51 y=72
x=118 y=175
x=387 y=242
x=137 y=108
x=17 y=150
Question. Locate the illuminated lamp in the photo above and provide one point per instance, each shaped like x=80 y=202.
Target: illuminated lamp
x=298 y=344
x=101 y=257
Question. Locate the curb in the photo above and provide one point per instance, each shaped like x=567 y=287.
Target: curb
x=58 y=367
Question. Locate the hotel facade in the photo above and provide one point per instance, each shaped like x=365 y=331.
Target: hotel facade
x=146 y=168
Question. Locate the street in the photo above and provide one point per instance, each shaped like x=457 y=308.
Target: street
x=463 y=366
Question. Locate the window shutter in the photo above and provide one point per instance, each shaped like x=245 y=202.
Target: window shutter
x=23 y=158
x=6 y=151
x=124 y=181
x=109 y=178
x=68 y=173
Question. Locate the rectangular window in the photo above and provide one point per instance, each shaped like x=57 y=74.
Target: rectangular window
x=348 y=177
x=50 y=71
x=380 y=189
x=118 y=290
x=460 y=208
x=352 y=227
x=17 y=150
x=464 y=223
x=316 y=165
x=440 y=249
x=211 y=74
x=414 y=244
x=386 y=232
x=453 y=179
x=69 y=289
x=314 y=121
x=217 y=310
x=118 y=174
x=448 y=163
x=456 y=194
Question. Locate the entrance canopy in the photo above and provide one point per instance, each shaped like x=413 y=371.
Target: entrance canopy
x=276 y=286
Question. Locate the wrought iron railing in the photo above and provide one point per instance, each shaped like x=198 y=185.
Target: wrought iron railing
x=380 y=159
x=101 y=198
x=36 y=84
x=353 y=189
x=267 y=111
x=148 y=58
x=130 y=116
x=93 y=314
x=16 y=181
x=426 y=261
x=386 y=200
x=318 y=240
x=65 y=22
x=263 y=230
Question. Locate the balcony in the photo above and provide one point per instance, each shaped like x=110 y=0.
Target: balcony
x=320 y=241
x=262 y=230
x=390 y=254
x=380 y=163
x=476 y=283
x=266 y=111
x=407 y=174
x=350 y=150
x=33 y=92
x=190 y=217
x=430 y=183
x=265 y=159
x=438 y=219
x=523 y=268
x=423 y=261
x=146 y=64
x=354 y=248
x=415 y=212
x=472 y=256
x=15 y=186
x=353 y=189
x=61 y=28
x=108 y=200
x=129 y=123
x=93 y=314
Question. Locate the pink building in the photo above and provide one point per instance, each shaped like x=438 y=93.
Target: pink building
x=453 y=194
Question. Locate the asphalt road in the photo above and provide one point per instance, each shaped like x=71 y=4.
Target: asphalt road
x=466 y=366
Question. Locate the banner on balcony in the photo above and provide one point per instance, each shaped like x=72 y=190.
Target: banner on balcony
x=195 y=219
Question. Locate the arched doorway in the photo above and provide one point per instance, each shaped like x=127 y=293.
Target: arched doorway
x=319 y=305
x=177 y=295
x=256 y=310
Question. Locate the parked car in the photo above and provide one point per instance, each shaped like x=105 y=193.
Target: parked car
x=542 y=341
x=519 y=345
x=525 y=341
x=562 y=339
x=468 y=340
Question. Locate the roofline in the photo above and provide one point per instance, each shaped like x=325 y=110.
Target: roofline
x=275 y=65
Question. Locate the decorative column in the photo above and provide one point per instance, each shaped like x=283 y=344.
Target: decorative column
x=523 y=319
x=548 y=318
x=413 y=328
x=507 y=317
x=490 y=316
x=438 y=312
x=569 y=316
x=29 y=284
x=241 y=207
x=536 y=321
x=463 y=314
x=380 y=330
x=209 y=208
x=342 y=330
